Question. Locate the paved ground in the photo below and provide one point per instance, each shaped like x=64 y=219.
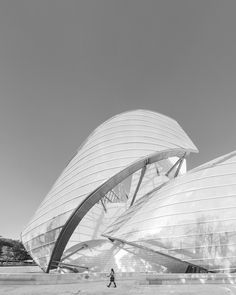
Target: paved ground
x=124 y=287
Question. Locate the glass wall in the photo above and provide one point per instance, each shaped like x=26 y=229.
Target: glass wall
x=192 y=218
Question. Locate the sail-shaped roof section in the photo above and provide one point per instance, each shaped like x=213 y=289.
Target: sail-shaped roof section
x=191 y=218
x=113 y=147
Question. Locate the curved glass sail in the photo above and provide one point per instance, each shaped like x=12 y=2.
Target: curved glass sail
x=192 y=218
x=112 y=148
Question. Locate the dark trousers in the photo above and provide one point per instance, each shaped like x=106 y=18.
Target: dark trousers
x=111 y=281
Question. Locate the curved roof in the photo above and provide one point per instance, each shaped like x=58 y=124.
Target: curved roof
x=112 y=148
x=191 y=218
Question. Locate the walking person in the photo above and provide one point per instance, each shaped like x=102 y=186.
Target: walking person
x=112 y=278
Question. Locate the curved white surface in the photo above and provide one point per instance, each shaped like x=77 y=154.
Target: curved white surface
x=192 y=218
x=113 y=146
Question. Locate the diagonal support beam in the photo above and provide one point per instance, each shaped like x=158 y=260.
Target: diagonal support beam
x=157 y=171
x=107 y=199
x=115 y=194
x=103 y=205
x=138 y=185
x=61 y=264
x=175 y=165
x=73 y=252
x=180 y=165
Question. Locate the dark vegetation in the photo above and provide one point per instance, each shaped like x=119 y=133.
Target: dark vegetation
x=12 y=252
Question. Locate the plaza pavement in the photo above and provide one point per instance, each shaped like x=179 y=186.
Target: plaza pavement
x=123 y=287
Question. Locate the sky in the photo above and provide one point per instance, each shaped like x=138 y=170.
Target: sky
x=67 y=66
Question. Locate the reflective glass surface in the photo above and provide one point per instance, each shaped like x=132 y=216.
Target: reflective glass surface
x=191 y=218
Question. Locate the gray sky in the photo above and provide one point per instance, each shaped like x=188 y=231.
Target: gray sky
x=67 y=66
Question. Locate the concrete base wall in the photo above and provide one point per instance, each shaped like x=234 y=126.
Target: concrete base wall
x=190 y=279
x=140 y=278
x=55 y=278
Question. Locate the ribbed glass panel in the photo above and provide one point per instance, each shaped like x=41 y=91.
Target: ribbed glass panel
x=112 y=147
x=192 y=218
